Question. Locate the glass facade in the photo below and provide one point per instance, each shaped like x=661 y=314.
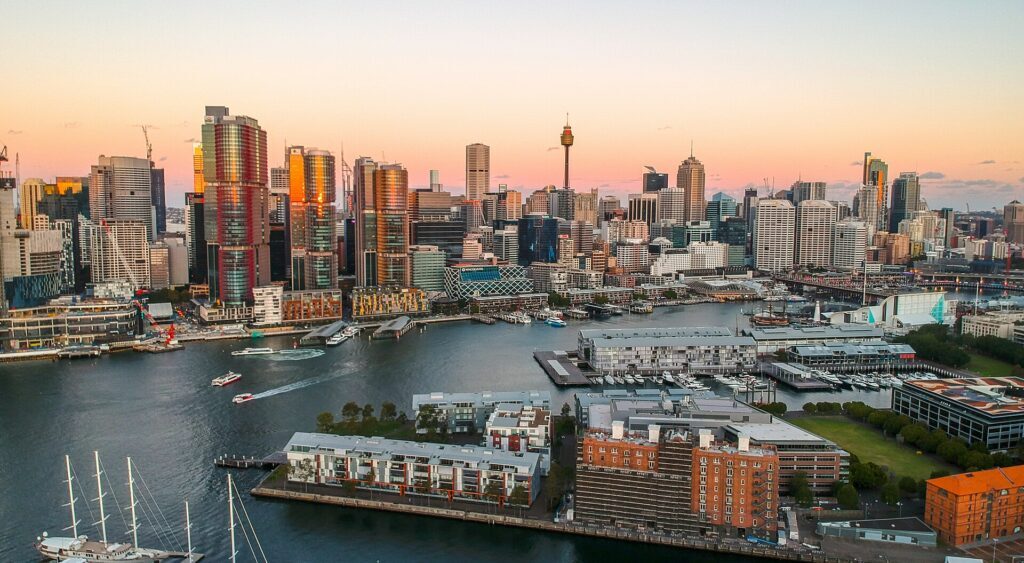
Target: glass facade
x=391 y=194
x=538 y=239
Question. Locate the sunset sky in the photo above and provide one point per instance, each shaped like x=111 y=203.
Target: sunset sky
x=781 y=90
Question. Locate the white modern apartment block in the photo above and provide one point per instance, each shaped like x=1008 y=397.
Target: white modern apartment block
x=120 y=251
x=119 y=188
x=774 y=227
x=521 y=428
x=992 y=324
x=506 y=243
x=849 y=245
x=708 y=255
x=266 y=308
x=671 y=204
x=671 y=261
x=405 y=467
x=633 y=256
x=653 y=350
x=815 y=222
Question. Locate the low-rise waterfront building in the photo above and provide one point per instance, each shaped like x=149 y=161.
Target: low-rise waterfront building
x=986 y=410
x=977 y=506
x=211 y=314
x=908 y=531
x=468 y=412
x=64 y=322
x=313 y=305
x=905 y=311
x=772 y=339
x=473 y=280
x=521 y=428
x=456 y=472
x=372 y=303
x=866 y=354
x=497 y=303
x=992 y=324
x=653 y=350
x=614 y=295
x=267 y=305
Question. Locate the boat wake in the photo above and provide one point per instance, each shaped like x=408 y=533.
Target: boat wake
x=295 y=355
x=300 y=384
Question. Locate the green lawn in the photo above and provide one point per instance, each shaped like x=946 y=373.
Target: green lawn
x=868 y=444
x=988 y=366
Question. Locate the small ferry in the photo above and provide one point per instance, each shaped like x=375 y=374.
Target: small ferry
x=336 y=339
x=555 y=321
x=252 y=351
x=226 y=379
x=243 y=398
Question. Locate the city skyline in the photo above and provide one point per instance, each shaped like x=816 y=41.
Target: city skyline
x=751 y=115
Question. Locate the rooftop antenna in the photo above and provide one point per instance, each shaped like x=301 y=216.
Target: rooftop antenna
x=566 y=119
x=691 y=148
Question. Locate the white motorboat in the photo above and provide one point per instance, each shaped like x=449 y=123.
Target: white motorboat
x=252 y=352
x=668 y=377
x=226 y=379
x=555 y=322
x=336 y=338
x=609 y=380
x=243 y=398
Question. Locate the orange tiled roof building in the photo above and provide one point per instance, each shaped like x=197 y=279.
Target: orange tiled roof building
x=978 y=506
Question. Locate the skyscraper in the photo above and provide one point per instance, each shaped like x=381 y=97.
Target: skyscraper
x=815 y=222
x=198 y=179
x=906 y=199
x=774 y=226
x=849 y=245
x=313 y=234
x=803 y=191
x=643 y=207
x=237 y=214
x=366 y=221
x=120 y=187
x=948 y=228
x=1013 y=221
x=721 y=206
x=538 y=239
x=876 y=173
x=691 y=179
x=158 y=196
x=671 y=204
x=478 y=170
x=30 y=193
x=654 y=181
x=391 y=191
x=435 y=181
x=566 y=139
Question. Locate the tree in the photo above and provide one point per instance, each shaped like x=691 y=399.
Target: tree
x=848 y=497
x=913 y=433
x=951 y=450
x=896 y=423
x=867 y=475
x=810 y=408
x=350 y=412
x=976 y=461
x=427 y=419
x=367 y=412
x=519 y=496
x=349 y=487
x=890 y=493
x=388 y=411
x=879 y=418
x=325 y=423
x=556 y=300
x=670 y=294
x=601 y=300
x=566 y=409
x=908 y=486
x=493 y=490
x=801 y=489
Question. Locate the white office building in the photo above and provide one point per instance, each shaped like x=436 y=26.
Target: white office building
x=774 y=226
x=119 y=188
x=671 y=204
x=267 y=305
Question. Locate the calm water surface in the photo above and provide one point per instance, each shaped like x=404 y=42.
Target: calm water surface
x=162 y=411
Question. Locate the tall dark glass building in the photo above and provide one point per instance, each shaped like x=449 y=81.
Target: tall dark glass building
x=733 y=231
x=538 y=239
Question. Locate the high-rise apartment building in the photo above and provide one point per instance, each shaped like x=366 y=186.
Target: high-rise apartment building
x=198 y=177
x=366 y=221
x=391 y=196
x=237 y=205
x=584 y=206
x=643 y=207
x=733 y=232
x=120 y=187
x=120 y=252
x=774 y=226
x=849 y=245
x=876 y=173
x=313 y=232
x=803 y=191
x=478 y=170
x=671 y=204
x=690 y=178
x=815 y=222
x=1013 y=221
x=906 y=199
x=30 y=193
x=539 y=201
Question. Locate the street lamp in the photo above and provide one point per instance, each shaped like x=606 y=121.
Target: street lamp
x=994 y=542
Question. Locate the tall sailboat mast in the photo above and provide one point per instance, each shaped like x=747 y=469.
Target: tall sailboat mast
x=71 y=496
x=231 y=517
x=131 y=500
x=188 y=532
x=99 y=496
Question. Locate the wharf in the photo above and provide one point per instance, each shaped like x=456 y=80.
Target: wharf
x=793 y=376
x=394 y=328
x=75 y=352
x=158 y=348
x=736 y=548
x=320 y=335
x=560 y=368
x=484 y=319
x=28 y=355
x=235 y=462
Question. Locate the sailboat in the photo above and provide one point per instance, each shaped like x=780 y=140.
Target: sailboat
x=99 y=551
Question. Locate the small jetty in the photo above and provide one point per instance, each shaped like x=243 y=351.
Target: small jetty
x=483 y=319
x=251 y=462
x=394 y=328
x=75 y=352
x=319 y=336
x=159 y=347
x=560 y=368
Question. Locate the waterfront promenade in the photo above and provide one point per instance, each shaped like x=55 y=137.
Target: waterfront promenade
x=490 y=515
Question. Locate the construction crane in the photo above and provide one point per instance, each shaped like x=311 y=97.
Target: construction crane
x=149 y=146
x=3 y=154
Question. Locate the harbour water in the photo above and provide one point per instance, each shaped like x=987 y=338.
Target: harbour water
x=161 y=410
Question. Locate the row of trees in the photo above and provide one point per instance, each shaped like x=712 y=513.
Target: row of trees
x=362 y=420
x=998 y=348
x=935 y=343
x=777 y=408
x=953 y=450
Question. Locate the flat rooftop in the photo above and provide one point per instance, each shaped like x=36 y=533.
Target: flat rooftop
x=996 y=396
x=655 y=332
x=387 y=449
x=910 y=524
x=672 y=341
x=776 y=432
x=814 y=332
x=981 y=481
x=483 y=398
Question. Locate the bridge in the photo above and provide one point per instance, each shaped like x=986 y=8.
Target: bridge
x=847 y=286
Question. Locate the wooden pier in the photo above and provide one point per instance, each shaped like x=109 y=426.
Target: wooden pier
x=251 y=462
x=483 y=319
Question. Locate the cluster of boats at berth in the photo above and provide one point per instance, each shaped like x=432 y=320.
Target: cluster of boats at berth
x=738 y=383
x=872 y=381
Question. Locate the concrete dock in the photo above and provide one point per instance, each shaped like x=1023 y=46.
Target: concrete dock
x=560 y=368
